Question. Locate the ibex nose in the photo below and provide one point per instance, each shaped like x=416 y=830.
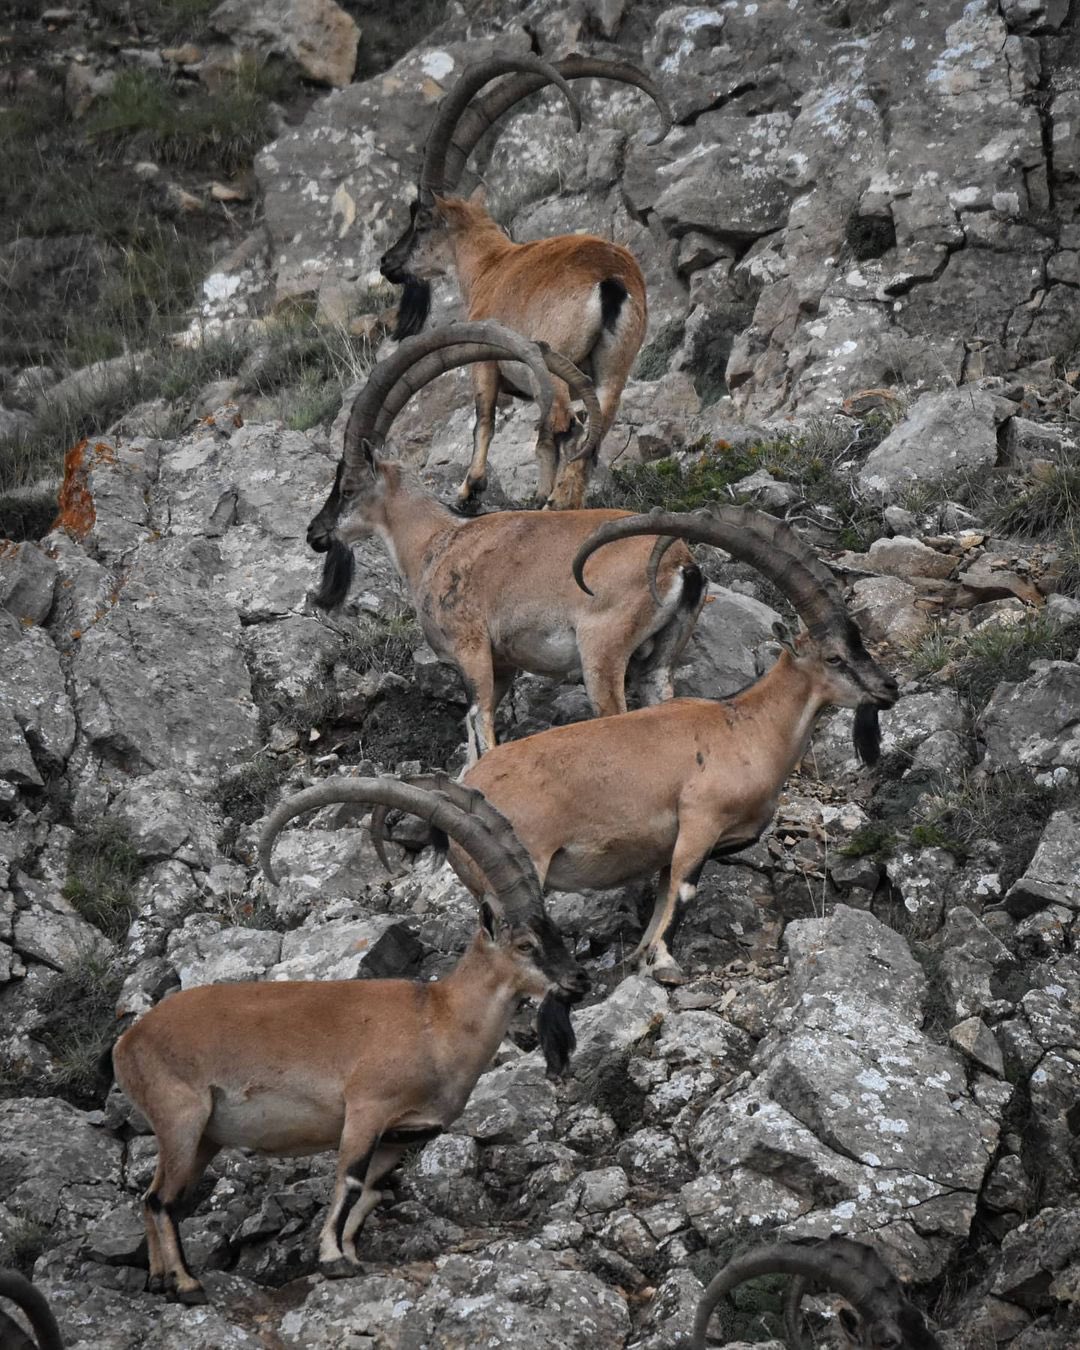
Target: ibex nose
x=318 y=539
x=576 y=982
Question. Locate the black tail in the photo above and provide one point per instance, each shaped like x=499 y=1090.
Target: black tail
x=104 y=1068
x=693 y=585
x=612 y=298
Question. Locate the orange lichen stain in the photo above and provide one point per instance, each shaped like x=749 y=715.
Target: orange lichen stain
x=8 y=549
x=77 y=514
x=76 y=634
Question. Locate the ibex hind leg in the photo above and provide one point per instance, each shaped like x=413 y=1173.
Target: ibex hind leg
x=486 y=393
x=183 y=1154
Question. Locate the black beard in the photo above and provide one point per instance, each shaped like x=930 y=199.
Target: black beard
x=866 y=733
x=413 y=307
x=557 y=1039
x=337 y=575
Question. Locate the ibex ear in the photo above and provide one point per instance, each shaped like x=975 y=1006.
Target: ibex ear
x=489 y=921
x=782 y=634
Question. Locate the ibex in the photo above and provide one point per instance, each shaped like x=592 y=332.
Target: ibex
x=20 y=1291
x=600 y=803
x=495 y=594
x=880 y=1316
x=583 y=295
x=367 y=1067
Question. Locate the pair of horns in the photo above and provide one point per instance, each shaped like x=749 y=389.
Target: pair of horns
x=463 y=119
x=850 y=1268
x=32 y=1301
x=752 y=536
x=419 y=360
x=460 y=812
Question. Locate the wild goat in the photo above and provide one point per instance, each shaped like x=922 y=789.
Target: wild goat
x=880 y=1316
x=495 y=594
x=600 y=803
x=19 y=1290
x=583 y=295
x=369 y=1067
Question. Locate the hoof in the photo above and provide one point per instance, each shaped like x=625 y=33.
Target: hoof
x=470 y=492
x=668 y=973
x=155 y=1284
x=192 y=1298
x=340 y=1269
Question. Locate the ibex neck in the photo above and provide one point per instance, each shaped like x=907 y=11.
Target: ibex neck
x=478 y=1000
x=784 y=706
x=475 y=251
x=414 y=524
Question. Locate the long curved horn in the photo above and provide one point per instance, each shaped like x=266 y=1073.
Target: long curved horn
x=468 y=799
x=515 y=888
x=483 y=113
x=471 y=81
x=504 y=344
x=389 y=387
x=759 y=539
x=32 y=1301
x=850 y=1268
x=580 y=387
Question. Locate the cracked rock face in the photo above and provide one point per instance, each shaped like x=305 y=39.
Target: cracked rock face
x=811 y=1078
x=882 y=1044
x=859 y=191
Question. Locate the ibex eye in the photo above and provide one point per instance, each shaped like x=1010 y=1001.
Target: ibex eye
x=834 y=660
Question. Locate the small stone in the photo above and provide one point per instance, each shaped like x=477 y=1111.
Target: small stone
x=977 y=1041
x=229 y=192
x=186 y=55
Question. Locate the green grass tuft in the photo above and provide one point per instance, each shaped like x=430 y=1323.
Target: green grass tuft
x=79 y=1026
x=103 y=868
x=1008 y=807
x=382 y=642
x=148 y=114
x=820 y=460
x=976 y=663
x=655 y=357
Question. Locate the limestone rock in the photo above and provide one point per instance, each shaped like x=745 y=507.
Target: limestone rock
x=941 y=435
x=317 y=34
x=1053 y=875
x=1035 y=723
x=27 y=581
x=724 y=652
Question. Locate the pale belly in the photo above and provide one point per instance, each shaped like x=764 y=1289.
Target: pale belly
x=274 y=1122
x=581 y=865
x=542 y=651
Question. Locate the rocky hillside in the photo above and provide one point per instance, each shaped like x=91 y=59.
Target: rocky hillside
x=858 y=246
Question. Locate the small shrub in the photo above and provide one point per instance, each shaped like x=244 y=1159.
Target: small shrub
x=22 y=1241
x=379 y=642
x=103 y=868
x=655 y=357
x=79 y=1010
x=821 y=461
x=1008 y=807
x=874 y=840
x=148 y=114
x=25 y=515
x=981 y=660
x=314 y=402
x=1043 y=504
x=247 y=791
